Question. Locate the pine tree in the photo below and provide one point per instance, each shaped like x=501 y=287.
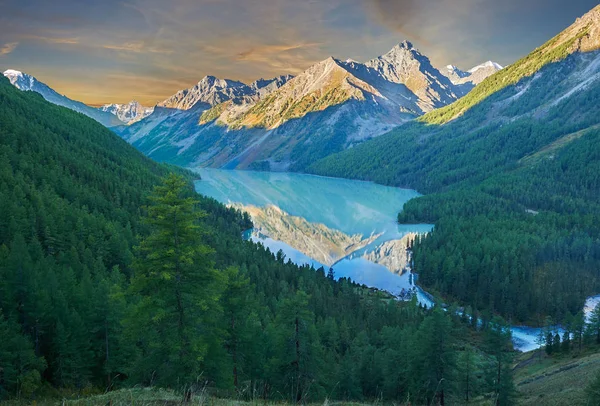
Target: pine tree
x=436 y=355
x=176 y=289
x=299 y=347
x=20 y=369
x=566 y=342
x=594 y=323
x=578 y=328
x=499 y=345
x=237 y=309
x=469 y=371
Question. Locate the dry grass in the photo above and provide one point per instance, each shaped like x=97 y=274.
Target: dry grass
x=556 y=381
x=155 y=397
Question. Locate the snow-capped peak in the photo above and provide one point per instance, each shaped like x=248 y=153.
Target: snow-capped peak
x=12 y=72
x=128 y=113
x=486 y=65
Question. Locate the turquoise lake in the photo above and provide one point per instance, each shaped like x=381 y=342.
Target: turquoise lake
x=352 y=207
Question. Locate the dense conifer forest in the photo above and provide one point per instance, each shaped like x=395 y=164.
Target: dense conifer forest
x=115 y=273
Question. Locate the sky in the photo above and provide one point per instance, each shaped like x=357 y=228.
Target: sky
x=113 y=51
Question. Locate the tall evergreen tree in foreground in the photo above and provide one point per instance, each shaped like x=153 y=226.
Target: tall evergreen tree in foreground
x=176 y=290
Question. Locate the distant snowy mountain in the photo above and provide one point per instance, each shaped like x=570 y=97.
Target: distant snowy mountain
x=27 y=82
x=129 y=113
x=489 y=65
x=288 y=122
x=466 y=81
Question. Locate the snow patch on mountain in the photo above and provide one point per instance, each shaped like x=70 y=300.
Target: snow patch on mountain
x=465 y=81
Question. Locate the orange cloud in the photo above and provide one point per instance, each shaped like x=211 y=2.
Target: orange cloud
x=8 y=48
x=137 y=47
x=262 y=52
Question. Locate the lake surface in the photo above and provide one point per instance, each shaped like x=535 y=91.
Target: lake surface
x=350 y=206
x=347 y=206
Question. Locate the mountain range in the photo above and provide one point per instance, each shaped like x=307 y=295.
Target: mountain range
x=545 y=83
x=286 y=122
x=289 y=122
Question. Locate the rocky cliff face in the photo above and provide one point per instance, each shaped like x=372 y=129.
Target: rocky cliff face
x=209 y=91
x=406 y=65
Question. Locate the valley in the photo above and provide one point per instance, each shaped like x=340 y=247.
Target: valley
x=392 y=230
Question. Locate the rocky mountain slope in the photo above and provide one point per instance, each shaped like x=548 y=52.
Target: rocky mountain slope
x=129 y=113
x=25 y=82
x=288 y=123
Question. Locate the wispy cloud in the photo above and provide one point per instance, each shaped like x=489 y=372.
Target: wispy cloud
x=137 y=47
x=53 y=40
x=8 y=48
x=264 y=52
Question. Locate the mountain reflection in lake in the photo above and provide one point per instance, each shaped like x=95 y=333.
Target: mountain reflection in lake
x=349 y=225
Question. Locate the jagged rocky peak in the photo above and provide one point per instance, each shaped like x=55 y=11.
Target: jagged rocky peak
x=456 y=71
x=277 y=81
x=210 y=90
x=404 y=64
x=466 y=81
x=262 y=87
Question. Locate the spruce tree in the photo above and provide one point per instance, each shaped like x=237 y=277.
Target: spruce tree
x=176 y=289
x=594 y=323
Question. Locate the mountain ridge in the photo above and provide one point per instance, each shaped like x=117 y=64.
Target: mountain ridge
x=25 y=82
x=330 y=106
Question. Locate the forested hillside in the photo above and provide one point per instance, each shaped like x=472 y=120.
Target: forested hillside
x=514 y=192
x=111 y=277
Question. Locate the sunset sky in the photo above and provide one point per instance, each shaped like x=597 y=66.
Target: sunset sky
x=117 y=50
